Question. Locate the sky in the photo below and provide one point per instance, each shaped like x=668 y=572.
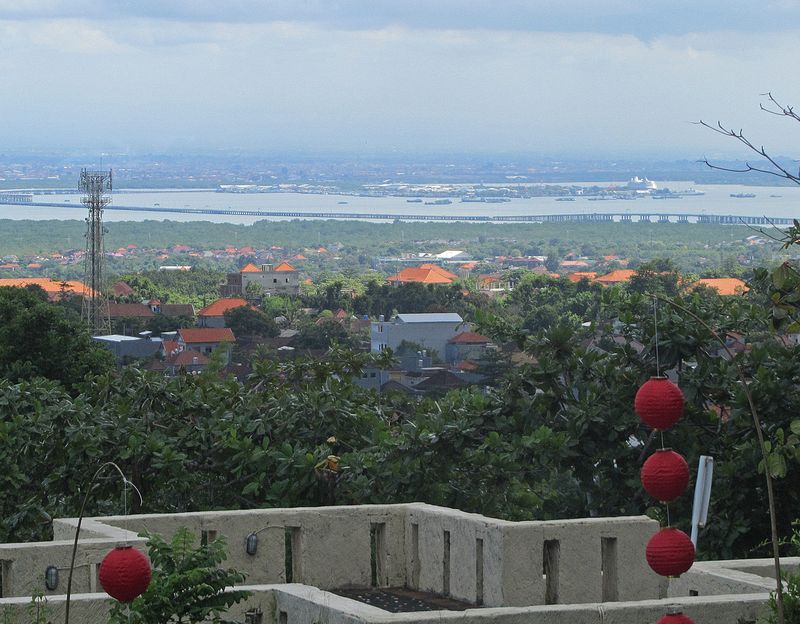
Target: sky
x=543 y=77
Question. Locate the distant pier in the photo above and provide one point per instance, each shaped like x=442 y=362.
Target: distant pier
x=593 y=217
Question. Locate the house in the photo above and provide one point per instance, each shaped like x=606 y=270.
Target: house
x=128 y=347
x=266 y=280
x=55 y=289
x=430 y=331
x=190 y=361
x=213 y=315
x=424 y=274
x=130 y=310
x=618 y=276
x=577 y=276
x=206 y=340
x=725 y=286
x=466 y=346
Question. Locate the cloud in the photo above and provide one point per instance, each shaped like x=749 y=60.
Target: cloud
x=303 y=83
x=643 y=19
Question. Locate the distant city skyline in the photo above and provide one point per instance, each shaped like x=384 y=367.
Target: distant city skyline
x=611 y=78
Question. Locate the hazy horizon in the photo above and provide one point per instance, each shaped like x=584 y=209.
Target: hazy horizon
x=545 y=79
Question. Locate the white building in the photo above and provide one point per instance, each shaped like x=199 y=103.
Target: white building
x=431 y=331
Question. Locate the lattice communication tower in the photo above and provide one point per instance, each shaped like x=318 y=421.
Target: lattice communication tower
x=95 y=185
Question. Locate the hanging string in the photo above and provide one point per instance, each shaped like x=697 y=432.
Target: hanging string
x=668 y=521
x=661 y=431
x=655 y=329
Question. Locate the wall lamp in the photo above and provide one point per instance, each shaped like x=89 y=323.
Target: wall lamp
x=51 y=577
x=251 y=541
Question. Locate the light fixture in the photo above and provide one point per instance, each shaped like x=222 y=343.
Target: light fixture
x=51 y=577
x=251 y=541
x=251 y=544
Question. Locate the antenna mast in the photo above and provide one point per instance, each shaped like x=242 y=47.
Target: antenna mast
x=95 y=312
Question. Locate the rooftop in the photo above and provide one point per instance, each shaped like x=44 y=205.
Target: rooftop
x=431 y=317
x=198 y=335
x=221 y=306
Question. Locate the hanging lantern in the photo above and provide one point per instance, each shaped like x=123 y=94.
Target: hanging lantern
x=665 y=475
x=125 y=573
x=659 y=403
x=675 y=618
x=670 y=552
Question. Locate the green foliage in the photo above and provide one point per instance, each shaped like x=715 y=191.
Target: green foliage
x=791 y=591
x=188 y=585
x=37 y=612
x=197 y=286
x=246 y=321
x=38 y=338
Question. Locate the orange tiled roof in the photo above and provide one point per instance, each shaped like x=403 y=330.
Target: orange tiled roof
x=615 y=277
x=249 y=268
x=194 y=335
x=299 y=257
x=418 y=274
x=724 y=285
x=285 y=266
x=50 y=286
x=574 y=264
x=469 y=337
x=129 y=310
x=466 y=365
x=468 y=266
x=579 y=275
x=221 y=306
x=186 y=358
x=440 y=270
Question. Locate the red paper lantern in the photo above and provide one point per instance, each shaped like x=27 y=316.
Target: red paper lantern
x=670 y=552
x=125 y=573
x=659 y=403
x=675 y=618
x=665 y=475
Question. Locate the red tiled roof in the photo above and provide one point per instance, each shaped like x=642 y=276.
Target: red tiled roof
x=579 y=275
x=195 y=335
x=170 y=346
x=221 y=306
x=724 y=285
x=620 y=275
x=469 y=338
x=441 y=271
x=186 y=358
x=417 y=274
x=249 y=268
x=121 y=289
x=285 y=266
x=50 y=286
x=129 y=310
x=466 y=365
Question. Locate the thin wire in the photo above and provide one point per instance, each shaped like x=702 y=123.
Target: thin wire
x=661 y=431
x=655 y=328
x=668 y=521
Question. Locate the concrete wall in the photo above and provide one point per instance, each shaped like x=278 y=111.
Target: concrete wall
x=301 y=604
x=467 y=556
x=588 y=570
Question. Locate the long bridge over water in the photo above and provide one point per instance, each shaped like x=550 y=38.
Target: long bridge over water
x=591 y=217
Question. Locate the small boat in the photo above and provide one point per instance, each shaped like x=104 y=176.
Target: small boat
x=743 y=195
x=438 y=202
x=776 y=195
x=565 y=199
x=341 y=203
x=414 y=201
